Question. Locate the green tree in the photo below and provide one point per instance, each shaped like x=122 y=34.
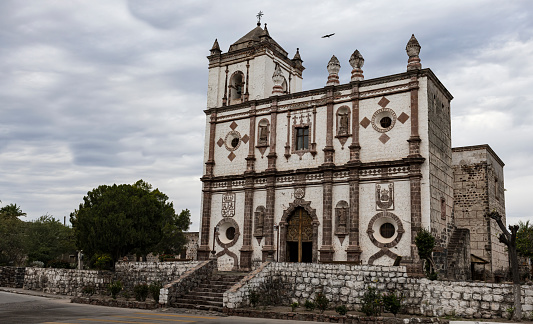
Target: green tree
x=47 y=239
x=425 y=242
x=124 y=219
x=12 y=244
x=524 y=241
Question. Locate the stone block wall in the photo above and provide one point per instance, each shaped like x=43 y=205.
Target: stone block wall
x=187 y=281
x=68 y=282
x=11 y=277
x=71 y=282
x=134 y=273
x=346 y=285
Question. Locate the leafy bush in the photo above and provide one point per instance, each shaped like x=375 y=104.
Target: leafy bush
x=103 y=262
x=155 y=288
x=372 y=302
x=342 y=310
x=321 y=302
x=254 y=298
x=392 y=303
x=294 y=306
x=88 y=290
x=37 y=264
x=309 y=305
x=114 y=288
x=59 y=264
x=141 y=292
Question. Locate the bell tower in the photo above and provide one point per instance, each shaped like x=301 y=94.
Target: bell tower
x=246 y=71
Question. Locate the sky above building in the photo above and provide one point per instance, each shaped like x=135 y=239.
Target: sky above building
x=99 y=92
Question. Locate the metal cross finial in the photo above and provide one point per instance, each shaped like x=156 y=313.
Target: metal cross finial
x=259 y=15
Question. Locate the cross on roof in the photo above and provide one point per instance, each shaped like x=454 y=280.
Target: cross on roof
x=259 y=15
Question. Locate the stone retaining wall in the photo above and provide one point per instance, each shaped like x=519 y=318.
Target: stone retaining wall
x=71 y=282
x=11 y=277
x=346 y=285
x=187 y=281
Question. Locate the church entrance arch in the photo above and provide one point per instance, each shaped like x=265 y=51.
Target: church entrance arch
x=299 y=233
x=300 y=237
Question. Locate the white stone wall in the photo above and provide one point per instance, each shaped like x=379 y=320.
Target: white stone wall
x=346 y=285
x=372 y=149
x=402 y=209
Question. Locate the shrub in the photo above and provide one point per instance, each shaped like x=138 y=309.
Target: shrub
x=309 y=305
x=141 y=292
x=294 y=306
x=114 y=288
x=372 y=302
x=254 y=298
x=155 y=288
x=342 y=310
x=88 y=290
x=392 y=303
x=59 y=264
x=37 y=264
x=321 y=302
x=103 y=262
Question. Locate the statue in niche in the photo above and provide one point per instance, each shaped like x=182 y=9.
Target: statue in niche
x=259 y=221
x=343 y=124
x=341 y=219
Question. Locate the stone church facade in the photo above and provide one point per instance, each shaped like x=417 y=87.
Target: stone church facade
x=345 y=173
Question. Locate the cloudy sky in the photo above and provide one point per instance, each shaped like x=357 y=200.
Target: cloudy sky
x=111 y=91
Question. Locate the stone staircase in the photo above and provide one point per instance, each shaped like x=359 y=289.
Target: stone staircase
x=458 y=258
x=209 y=295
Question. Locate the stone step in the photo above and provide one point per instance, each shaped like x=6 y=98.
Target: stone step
x=206 y=294
x=195 y=301
x=200 y=307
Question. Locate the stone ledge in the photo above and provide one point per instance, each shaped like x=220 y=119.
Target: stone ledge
x=114 y=303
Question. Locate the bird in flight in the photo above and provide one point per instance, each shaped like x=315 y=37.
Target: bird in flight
x=328 y=36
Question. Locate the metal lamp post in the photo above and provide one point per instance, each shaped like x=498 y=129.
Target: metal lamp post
x=215 y=231
x=276 y=228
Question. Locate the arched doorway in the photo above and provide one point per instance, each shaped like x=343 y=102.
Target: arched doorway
x=300 y=236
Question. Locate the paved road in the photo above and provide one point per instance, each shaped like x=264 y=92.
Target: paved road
x=16 y=308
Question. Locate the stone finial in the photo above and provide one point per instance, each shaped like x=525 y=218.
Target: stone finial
x=278 y=79
x=297 y=60
x=216 y=48
x=413 y=49
x=357 y=61
x=333 y=69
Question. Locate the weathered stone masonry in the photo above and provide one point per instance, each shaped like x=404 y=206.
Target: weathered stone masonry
x=345 y=285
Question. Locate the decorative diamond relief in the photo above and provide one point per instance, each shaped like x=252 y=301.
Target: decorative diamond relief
x=365 y=122
x=384 y=138
x=245 y=138
x=383 y=102
x=220 y=142
x=233 y=126
x=232 y=156
x=403 y=118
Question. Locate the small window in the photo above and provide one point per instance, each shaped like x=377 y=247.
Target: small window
x=230 y=233
x=302 y=138
x=235 y=142
x=385 y=122
x=443 y=208
x=496 y=189
x=387 y=230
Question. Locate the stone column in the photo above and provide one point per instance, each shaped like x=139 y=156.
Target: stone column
x=354 y=249
x=326 y=250
x=268 y=231
x=204 y=249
